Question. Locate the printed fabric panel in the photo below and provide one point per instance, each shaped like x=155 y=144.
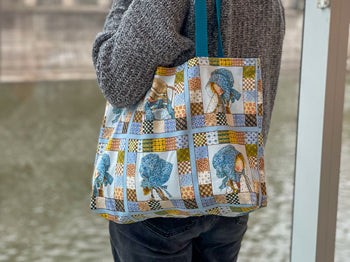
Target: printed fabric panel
x=192 y=146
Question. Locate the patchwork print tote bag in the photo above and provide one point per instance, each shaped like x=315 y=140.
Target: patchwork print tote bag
x=192 y=146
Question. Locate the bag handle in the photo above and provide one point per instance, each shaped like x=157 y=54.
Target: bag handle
x=202 y=30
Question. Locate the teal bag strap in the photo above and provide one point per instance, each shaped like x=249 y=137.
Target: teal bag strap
x=202 y=29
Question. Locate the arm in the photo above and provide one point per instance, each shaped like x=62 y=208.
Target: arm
x=127 y=53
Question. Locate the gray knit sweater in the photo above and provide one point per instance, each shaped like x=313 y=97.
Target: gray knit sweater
x=140 y=35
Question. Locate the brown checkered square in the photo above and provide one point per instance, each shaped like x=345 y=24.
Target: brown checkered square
x=202 y=165
x=154 y=205
x=210 y=119
x=138 y=116
x=194 y=83
x=119 y=169
x=132 y=145
x=131 y=194
x=199 y=139
x=248 y=84
x=107 y=132
x=253 y=162
x=130 y=170
x=261 y=139
x=184 y=167
x=179 y=88
x=197 y=109
x=170 y=143
x=220 y=199
x=205 y=190
x=190 y=203
x=213 y=211
x=261 y=163
x=263 y=188
x=260 y=109
x=260 y=85
x=240 y=138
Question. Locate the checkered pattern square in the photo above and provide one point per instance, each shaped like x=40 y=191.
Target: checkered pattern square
x=193 y=71
x=261 y=163
x=263 y=188
x=208 y=201
x=249 y=108
x=130 y=172
x=197 y=109
x=119 y=205
x=198 y=121
x=119 y=169
x=131 y=194
x=187 y=192
x=220 y=199
x=182 y=142
x=204 y=177
x=202 y=165
x=196 y=96
x=248 y=84
x=194 y=84
x=138 y=116
x=261 y=139
x=132 y=145
x=170 y=143
x=184 y=167
x=154 y=205
x=179 y=88
x=199 y=139
x=93 y=202
x=147 y=127
x=110 y=203
x=213 y=211
x=180 y=111
x=205 y=190
x=185 y=180
x=210 y=119
x=130 y=181
x=232 y=198
x=181 y=123
x=250 y=120
x=143 y=206
x=190 y=203
x=253 y=162
x=118 y=193
x=201 y=152
x=221 y=119
x=260 y=85
x=212 y=138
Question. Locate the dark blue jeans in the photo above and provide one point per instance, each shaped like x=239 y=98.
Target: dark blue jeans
x=205 y=238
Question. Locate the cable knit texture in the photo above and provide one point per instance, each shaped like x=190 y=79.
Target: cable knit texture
x=140 y=35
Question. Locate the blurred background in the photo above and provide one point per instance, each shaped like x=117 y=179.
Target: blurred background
x=51 y=110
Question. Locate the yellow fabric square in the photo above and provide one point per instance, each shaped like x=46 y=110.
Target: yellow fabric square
x=183 y=154
x=232 y=137
x=249 y=72
x=159 y=144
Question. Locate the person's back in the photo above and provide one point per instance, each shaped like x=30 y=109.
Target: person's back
x=139 y=36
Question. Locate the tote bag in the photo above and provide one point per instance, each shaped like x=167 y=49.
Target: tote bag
x=192 y=146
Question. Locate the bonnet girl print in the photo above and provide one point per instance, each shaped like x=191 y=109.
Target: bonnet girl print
x=221 y=92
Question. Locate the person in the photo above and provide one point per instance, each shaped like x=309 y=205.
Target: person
x=137 y=37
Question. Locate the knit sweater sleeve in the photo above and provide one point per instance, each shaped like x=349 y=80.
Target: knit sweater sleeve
x=133 y=43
